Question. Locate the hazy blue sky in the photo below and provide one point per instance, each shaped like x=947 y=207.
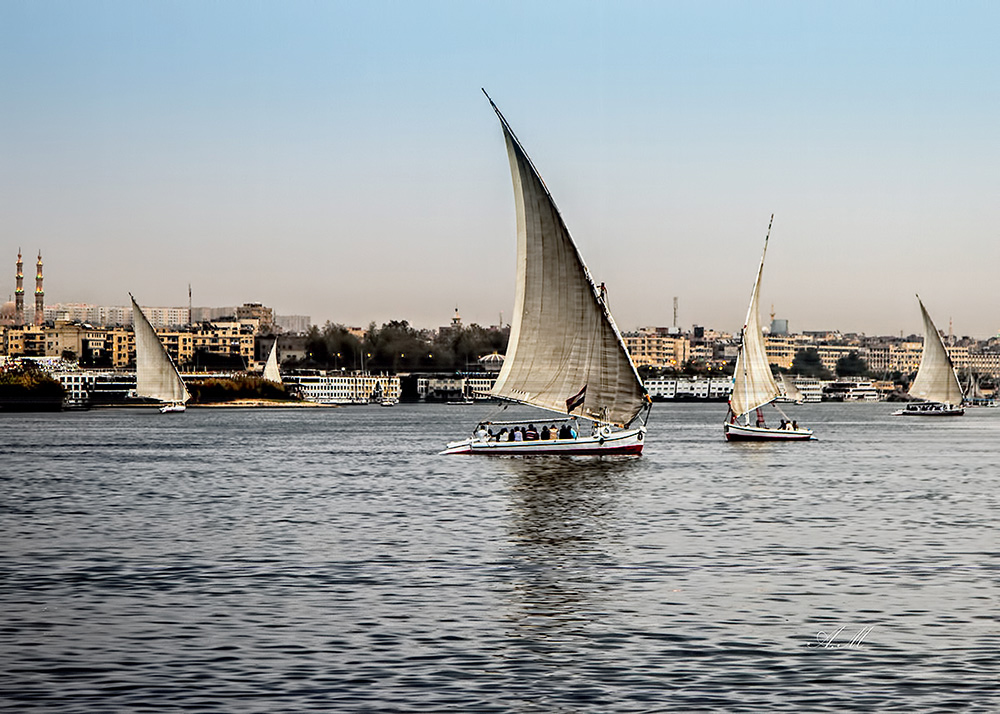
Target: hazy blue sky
x=339 y=160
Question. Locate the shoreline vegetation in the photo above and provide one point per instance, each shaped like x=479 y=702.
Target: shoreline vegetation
x=25 y=387
x=243 y=388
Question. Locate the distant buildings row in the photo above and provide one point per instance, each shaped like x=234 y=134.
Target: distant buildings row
x=159 y=317
x=665 y=347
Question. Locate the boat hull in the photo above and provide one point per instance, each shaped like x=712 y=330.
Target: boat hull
x=930 y=410
x=172 y=409
x=740 y=432
x=605 y=443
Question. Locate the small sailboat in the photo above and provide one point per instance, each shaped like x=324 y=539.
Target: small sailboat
x=790 y=392
x=565 y=354
x=156 y=376
x=271 y=371
x=753 y=385
x=936 y=387
x=974 y=396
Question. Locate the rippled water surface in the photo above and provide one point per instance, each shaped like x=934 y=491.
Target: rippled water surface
x=329 y=560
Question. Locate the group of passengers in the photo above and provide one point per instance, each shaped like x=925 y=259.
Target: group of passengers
x=529 y=433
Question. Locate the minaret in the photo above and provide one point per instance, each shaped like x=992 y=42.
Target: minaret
x=39 y=294
x=19 y=292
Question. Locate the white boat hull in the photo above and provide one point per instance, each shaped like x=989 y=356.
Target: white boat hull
x=929 y=409
x=606 y=442
x=741 y=432
x=172 y=409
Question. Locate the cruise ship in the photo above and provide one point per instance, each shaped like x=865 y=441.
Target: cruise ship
x=850 y=391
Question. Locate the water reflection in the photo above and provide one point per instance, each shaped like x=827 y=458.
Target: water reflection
x=564 y=538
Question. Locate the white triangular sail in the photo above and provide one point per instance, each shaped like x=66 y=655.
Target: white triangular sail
x=156 y=377
x=791 y=389
x=753 y=384
x=565 y=353
x=936 y=380
x=973 y=391
x=271 y=371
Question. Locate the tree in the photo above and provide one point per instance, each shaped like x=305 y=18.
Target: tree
x=852 y=366
x=807 y=363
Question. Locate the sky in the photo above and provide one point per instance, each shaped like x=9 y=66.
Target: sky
x=338 y=159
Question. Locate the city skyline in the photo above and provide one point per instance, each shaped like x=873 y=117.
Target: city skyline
x=338 y=160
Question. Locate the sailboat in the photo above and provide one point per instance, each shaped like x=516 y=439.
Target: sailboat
x=753 y=385
x=156 y=376
x=974 y=396
x=936 y=385
x=790 y=392
x=271 y=371
x=565 y=354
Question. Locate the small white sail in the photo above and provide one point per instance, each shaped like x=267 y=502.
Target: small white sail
x=271 y=371
x=936 y=380
x=565 y=353
x=791 y=389
x=156 y=377
x=753 y=384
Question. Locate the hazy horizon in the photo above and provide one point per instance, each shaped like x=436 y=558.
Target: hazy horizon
x=338 y=160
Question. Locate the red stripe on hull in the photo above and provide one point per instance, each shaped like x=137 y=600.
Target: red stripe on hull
x=597 y=451
x=745 y=437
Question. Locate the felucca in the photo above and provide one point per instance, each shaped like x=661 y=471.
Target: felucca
x=936 y=385
x=271 y=371
x=753 y=385
x=156 y=376
x=565 y=355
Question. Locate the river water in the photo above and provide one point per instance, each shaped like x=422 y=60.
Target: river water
x=329 y=560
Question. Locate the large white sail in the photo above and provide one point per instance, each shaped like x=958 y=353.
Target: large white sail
x=936 y=380
x=271 y=371
x=156 y=377
x=753 y=384
x=565 y=353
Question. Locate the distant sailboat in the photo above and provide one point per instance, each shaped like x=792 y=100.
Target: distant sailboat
x=565 y=354
x=753 y=385
x=936 y=385
x=156 y=376
x=271 y=371
x=790 y=393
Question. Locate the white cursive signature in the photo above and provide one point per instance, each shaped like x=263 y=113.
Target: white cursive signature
x=828 y=641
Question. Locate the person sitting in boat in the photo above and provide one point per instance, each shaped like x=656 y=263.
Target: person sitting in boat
x=481 y=432
x=795 y=425
x=502 y=434
x=572 y=432
x=545 y=433
x=784 y=424
x=531 y=434
x=518 y=433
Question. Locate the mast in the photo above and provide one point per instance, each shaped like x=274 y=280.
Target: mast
x=753 y=383
x=936 y=380
x=565 y=353
x=156 y=376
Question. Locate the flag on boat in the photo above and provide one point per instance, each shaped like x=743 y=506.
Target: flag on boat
x=577 y=399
